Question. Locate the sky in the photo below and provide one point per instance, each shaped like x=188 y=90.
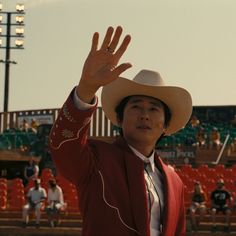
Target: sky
x=192 y=43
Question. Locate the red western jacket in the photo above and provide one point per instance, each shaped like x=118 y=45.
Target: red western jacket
x=110 y=180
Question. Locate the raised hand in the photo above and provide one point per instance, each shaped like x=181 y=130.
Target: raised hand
x=101 y=66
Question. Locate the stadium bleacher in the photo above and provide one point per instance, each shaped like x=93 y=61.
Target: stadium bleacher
x=13 y=197
x=199 y=167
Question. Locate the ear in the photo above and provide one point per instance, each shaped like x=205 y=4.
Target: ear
x=119 y=122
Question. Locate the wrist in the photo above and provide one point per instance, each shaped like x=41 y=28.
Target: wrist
x=85 y=94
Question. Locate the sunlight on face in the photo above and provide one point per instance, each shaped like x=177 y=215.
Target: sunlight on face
x=143 y=121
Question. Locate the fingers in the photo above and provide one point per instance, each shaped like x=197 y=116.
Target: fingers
x=107 y=38
x=120 y=69
x=110 y=43
x=123 y=46
x=95 y=41
x=115 y=39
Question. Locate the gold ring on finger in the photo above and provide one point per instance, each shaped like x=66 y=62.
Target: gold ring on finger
x=110 y=50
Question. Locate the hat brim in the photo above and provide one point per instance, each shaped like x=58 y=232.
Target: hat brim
x=177 y=99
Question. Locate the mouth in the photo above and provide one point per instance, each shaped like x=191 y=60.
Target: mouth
x=143 y=127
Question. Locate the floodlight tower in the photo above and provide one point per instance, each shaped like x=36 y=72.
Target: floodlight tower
x=7 y=27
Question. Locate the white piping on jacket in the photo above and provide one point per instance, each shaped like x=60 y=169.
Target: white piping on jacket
x=71 y=139
x=115 y=208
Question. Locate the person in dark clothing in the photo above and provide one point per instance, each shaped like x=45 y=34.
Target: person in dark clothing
x=31 y=171
x=221 y=200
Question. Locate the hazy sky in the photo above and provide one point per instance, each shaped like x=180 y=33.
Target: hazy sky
x=192 y=43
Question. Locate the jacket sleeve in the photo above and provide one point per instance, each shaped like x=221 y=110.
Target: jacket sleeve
x=68 y=142
x=181 y=225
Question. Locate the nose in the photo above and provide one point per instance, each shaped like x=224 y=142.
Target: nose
x=144 y=115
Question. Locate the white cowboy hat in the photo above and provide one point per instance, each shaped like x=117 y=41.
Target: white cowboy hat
x=149 y=83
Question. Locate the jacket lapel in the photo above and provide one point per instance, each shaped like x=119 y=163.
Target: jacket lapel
x=137 y=188
x=170 y=200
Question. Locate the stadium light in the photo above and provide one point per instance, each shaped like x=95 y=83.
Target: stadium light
x=20 y=19
x=7 y=33
x=20 y=7
x=20 y=31
x=19 y=42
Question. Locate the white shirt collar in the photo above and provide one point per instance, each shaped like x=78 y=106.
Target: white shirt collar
x=149 y=159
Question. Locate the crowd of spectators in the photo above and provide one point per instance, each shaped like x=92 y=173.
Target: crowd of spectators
x=51 y=199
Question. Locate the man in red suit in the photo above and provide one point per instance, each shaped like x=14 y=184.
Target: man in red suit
x=124 y=187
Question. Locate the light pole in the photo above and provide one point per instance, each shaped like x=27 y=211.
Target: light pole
x=6 y=24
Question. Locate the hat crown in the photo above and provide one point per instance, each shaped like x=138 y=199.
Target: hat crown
x=148 y=77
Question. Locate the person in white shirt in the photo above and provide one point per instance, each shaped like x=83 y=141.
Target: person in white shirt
x=36 y=197
x=55 y=202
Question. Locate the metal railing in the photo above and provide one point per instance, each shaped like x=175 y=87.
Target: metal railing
x=100 y=126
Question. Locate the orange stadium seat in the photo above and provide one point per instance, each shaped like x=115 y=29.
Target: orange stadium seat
x=46 y=174
x=189 y=183
x=3 y=202
x=201 y=178
x=16 y=192
x=229 y=185
x=193 y=174
x=17 y=183
x=3 y=192
x=212 y=174
x=229 y=174
x=210 y=184
x=187 y=198
x=186 y=168
x=72 y=203
x=220 y=169
x=16 y=203
x=233 y=168
x=203 y=168
x=3 y=186
x=3 y=180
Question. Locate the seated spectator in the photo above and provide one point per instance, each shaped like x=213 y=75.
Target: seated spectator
x=24 y=126
x=215 y=138
x=221 y=200
x=201 y=137
x=36 y=197
x=194 y=121
x=198 y=205
x=34 y=125
x=55 y=202
x=31 y=171
x=189 y=141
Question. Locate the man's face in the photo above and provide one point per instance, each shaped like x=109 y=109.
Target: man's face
x=143 y=120
x=220 y=185
x=36 y=185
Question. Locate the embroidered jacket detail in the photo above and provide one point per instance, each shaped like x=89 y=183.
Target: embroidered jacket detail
x=67 y=114
x=113 y=207
x=67 y=133
x=69 y=139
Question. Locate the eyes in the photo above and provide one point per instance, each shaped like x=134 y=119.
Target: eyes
x=141 y=108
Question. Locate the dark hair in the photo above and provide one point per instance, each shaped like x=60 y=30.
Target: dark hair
x=121 y=107
x=52 y=183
